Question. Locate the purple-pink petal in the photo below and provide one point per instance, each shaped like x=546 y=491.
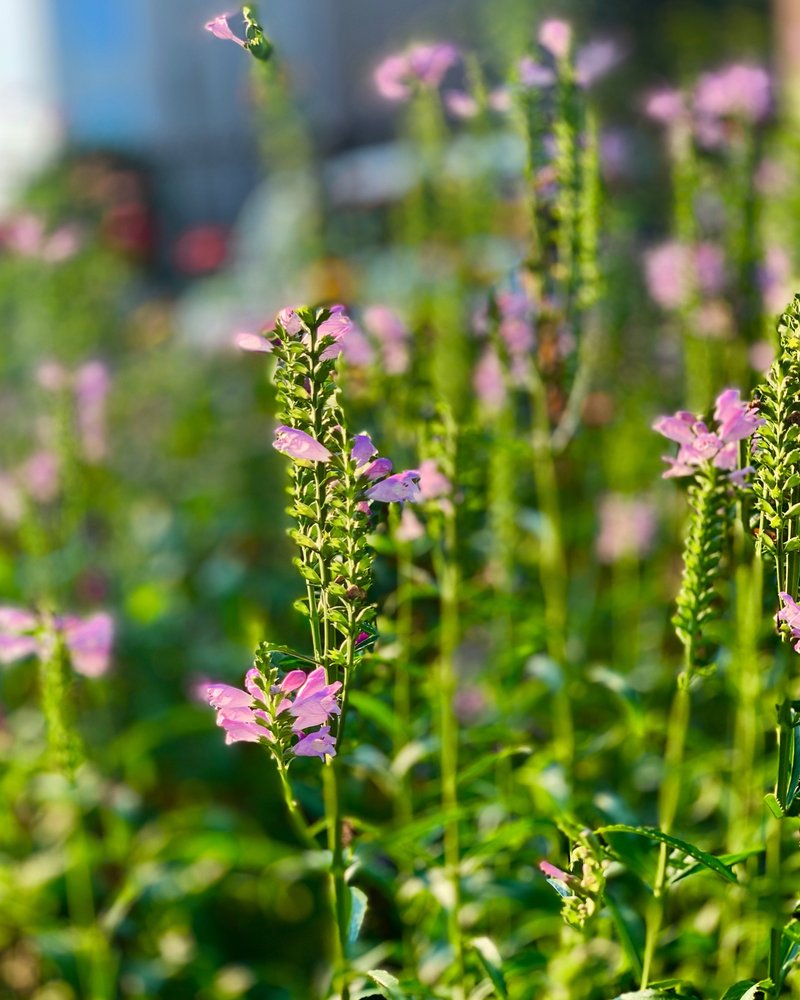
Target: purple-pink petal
x=402 y=486
x=297 y=444
x=220 y=28
x=316 y=744
x=363 y=449
x=89 y=643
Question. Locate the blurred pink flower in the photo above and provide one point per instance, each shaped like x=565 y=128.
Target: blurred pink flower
x=460 y=104
x=52 y=376
x=40 y=476
x=419 y=66
x=737 y=91
x=410 y=528
x=556 y=36
x=627 y=527
x=92 y=383
x=775 y=278
x=433 y=483
x=253 y=342
x=393 y=336
x=595 y=60
x=790 y=614
x=489 y=381
x=761 y=355
x=88 y=640
x=12 y=505
x=533 y=75
x=666 y=106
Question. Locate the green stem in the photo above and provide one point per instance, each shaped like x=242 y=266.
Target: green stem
x=448 y=577
x=339 y=890
x=552 y=568
x=677 y=729
x=295 y=816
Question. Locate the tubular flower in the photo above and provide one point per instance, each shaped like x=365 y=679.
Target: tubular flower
x=220 y=28
x=277 y=713
x=420 y=66
x=299 y=445
x=736 y=421
x=790 y=615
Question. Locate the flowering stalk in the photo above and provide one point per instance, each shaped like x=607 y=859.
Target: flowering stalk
x=334 y=480
x=712 y=458
x=777 y=491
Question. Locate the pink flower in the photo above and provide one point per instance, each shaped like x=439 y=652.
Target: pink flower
x=668 y=274
x=338 y=326
x=489 y=381
x=419 y=66
x=392 y=335
x=314 y=699
x=288 y=320
x=736 y=421
x=40 y=476
x=299 y=445
x=220 y=28
x=595 y=60
x=363 y=449
x=319 y=743
x=665 y=106
x=89 y=641
x=52 y=376
x=460 y=104
x=432 y=482
x=402 y=486
x=410 y=527
x=737 y=91
x=92 y=383
x=627 y=527
x=533 y=75
x=556 y=37
x=252 y=342
x=790 y=614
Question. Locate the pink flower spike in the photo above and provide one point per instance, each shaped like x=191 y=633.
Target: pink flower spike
x=220 y=28
x=317 y=744
x=556 y=36
x=402 y=486
x=299 y=445
x=252 y=342
x=89 y=642
x=790 y=614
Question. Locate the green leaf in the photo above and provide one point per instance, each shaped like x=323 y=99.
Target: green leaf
x=374 y=709
x=747 y=989
x=726 y=859
x=651 y=833
x=358 y=910
x=774 y=806
x=490 y=959
x=388 y=984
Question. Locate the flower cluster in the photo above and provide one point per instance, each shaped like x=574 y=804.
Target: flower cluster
x=592 y=61
x=88 y=640
x=790 y=615
x=722 y=101
x=419 y=67
x=25 y=235
x=290 y=716
x=736 y=421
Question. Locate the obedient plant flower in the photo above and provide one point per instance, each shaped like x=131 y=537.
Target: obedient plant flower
x=399 y=488
x=255 y=41
x=532 y=75
x=673 y=271
x=736 y=421
x=278 y=712
x=667 y=106
x=738 y=91
x=88 y=640
x=790 y=615
x=421 y=66
x=92 y=383
x=220 y=28
x=299 y=445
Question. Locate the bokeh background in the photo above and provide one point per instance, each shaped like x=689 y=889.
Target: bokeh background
x=197 y=210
